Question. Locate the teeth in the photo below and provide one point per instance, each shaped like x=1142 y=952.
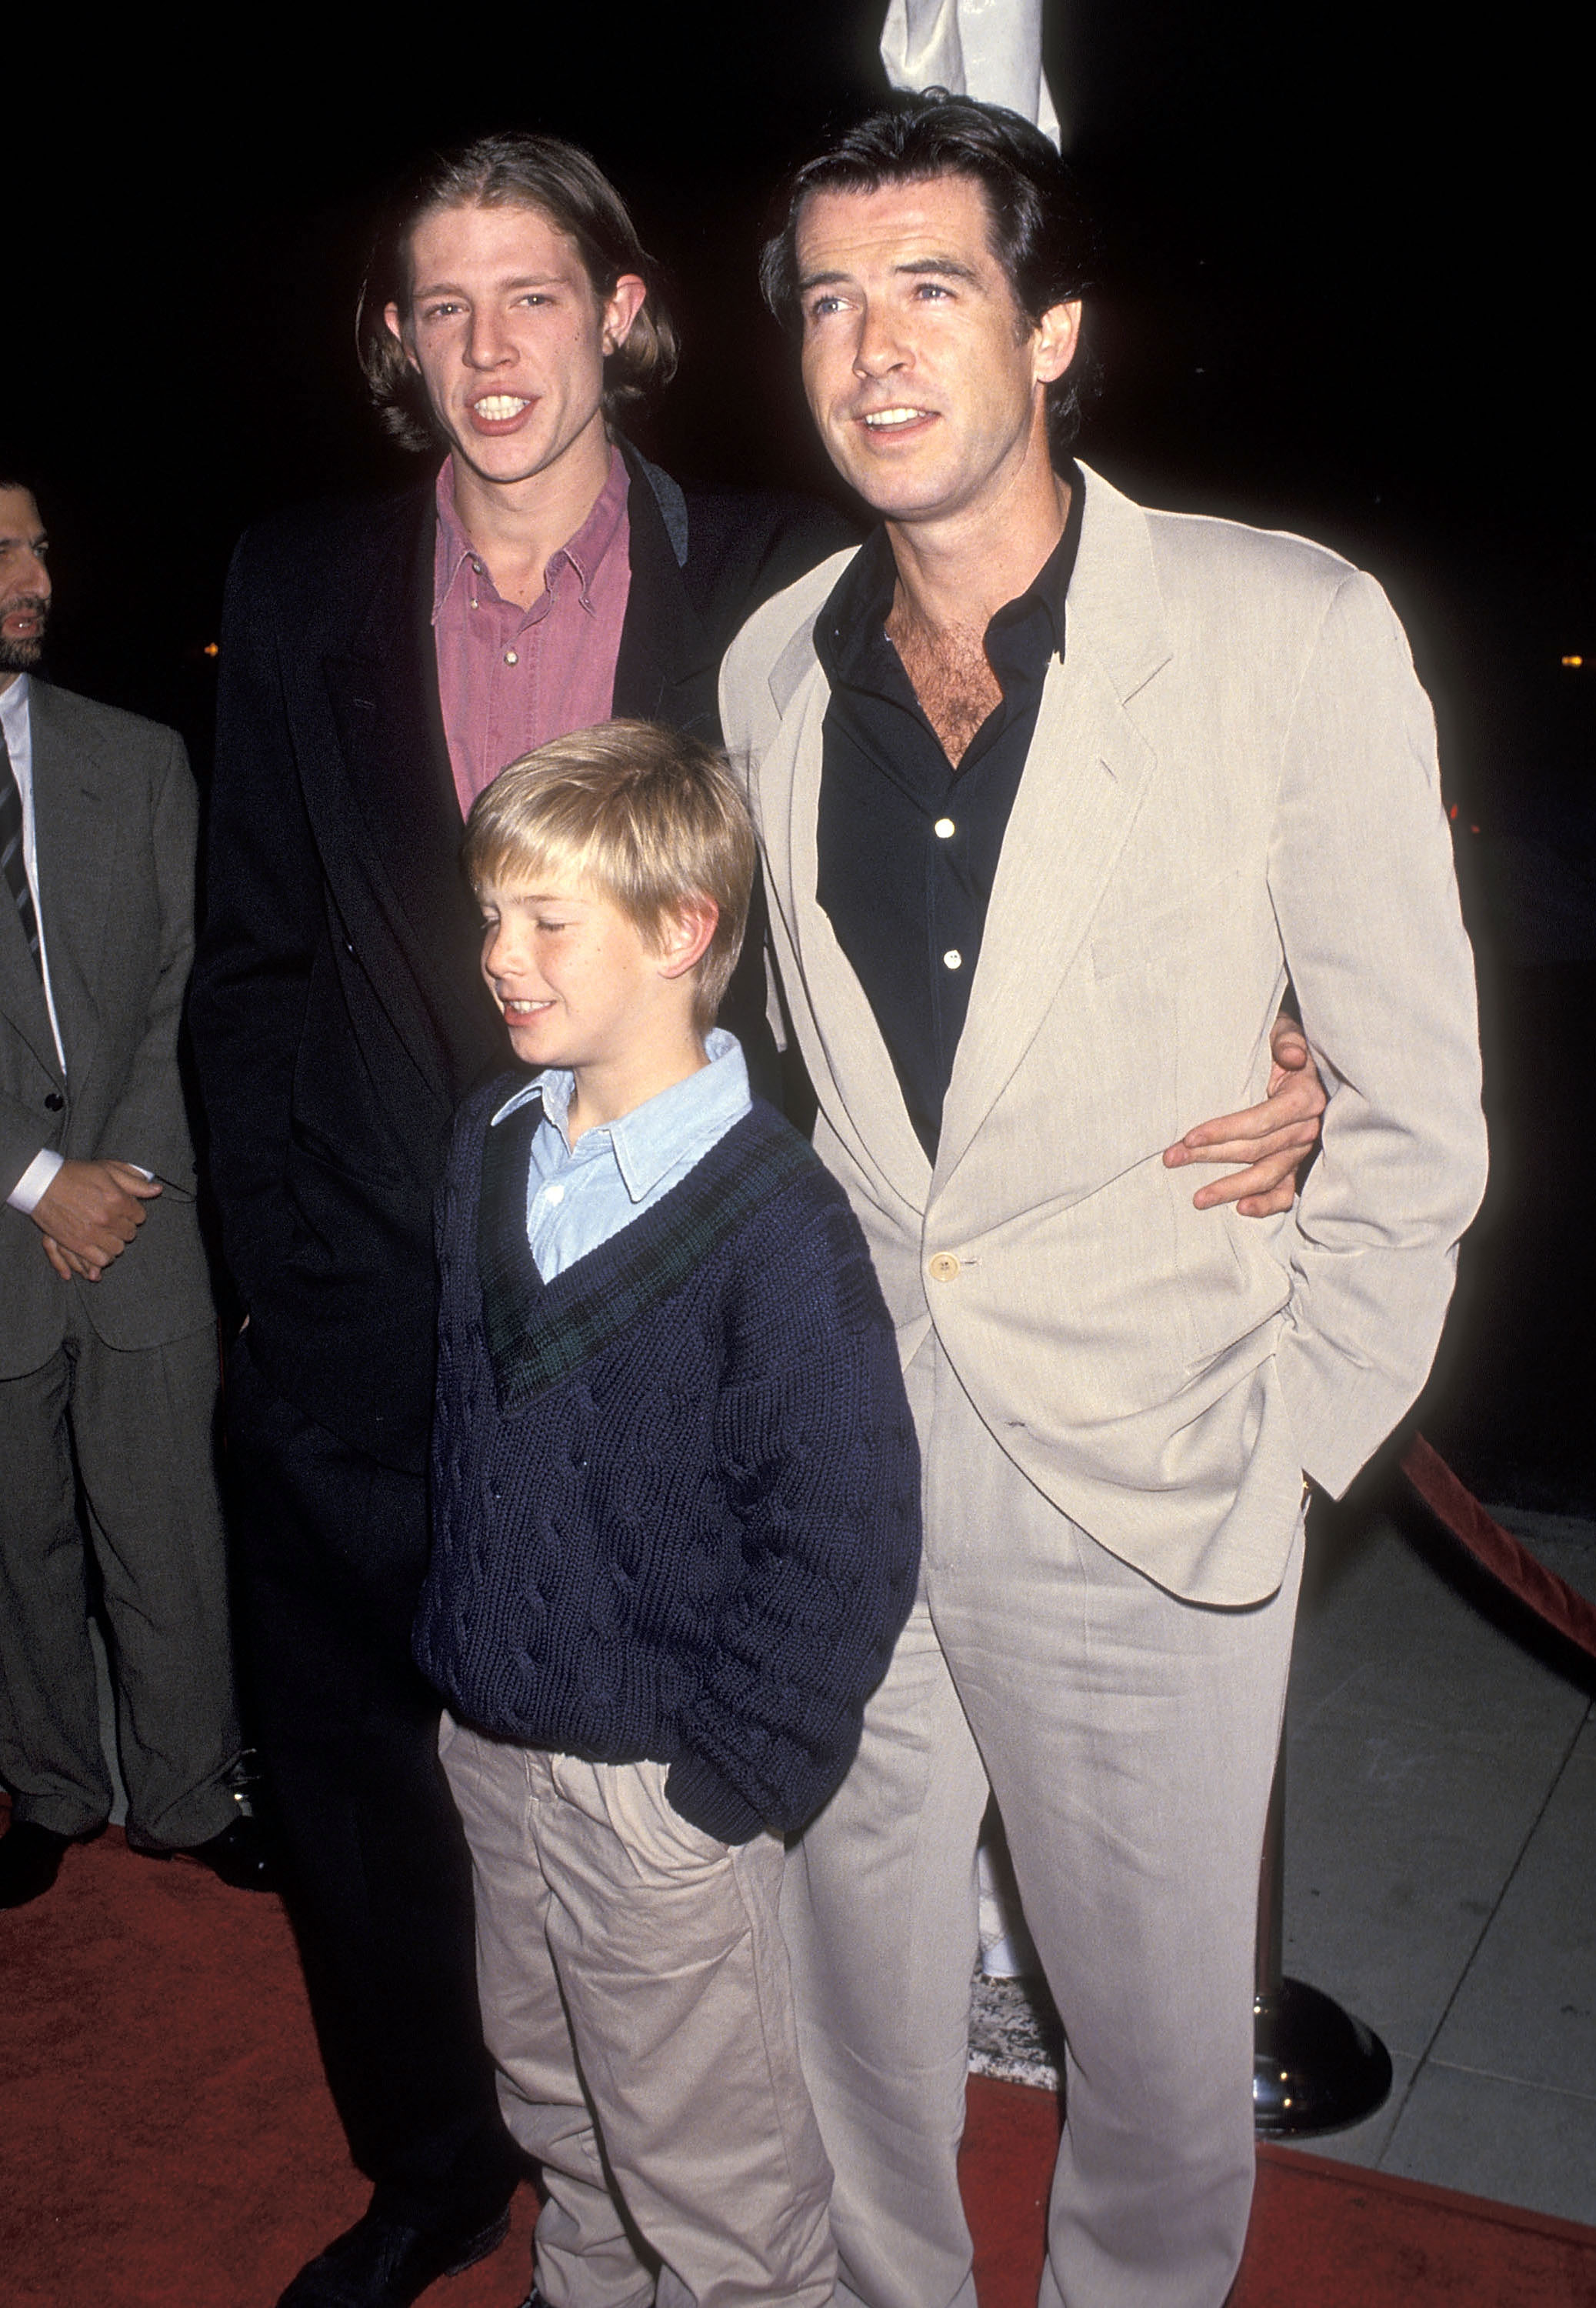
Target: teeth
x=523 y=1008
x=878 y=417
x=495 y=407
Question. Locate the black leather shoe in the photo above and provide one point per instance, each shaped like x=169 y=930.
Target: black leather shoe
x=30 y=1860
x=381 y=2263
x=241 y=1855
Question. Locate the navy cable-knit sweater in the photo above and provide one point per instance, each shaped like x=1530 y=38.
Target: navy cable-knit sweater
x=676 y=1489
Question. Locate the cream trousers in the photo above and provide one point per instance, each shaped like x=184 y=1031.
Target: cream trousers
x=635 y=1996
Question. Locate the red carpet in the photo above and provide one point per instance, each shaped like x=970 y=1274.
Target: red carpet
x=166 y=2138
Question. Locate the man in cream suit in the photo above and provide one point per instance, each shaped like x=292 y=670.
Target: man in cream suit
x=107 y=1347
x=1056 y=795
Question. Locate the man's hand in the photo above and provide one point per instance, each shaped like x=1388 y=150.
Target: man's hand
x=1274 y=1139
x=89 y=1213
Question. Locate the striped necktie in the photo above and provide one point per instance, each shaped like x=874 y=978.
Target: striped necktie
x=10 y=852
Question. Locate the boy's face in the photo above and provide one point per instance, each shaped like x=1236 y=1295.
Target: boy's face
x=577 y=983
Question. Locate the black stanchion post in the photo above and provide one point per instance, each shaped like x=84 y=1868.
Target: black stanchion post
x=1315 y=2067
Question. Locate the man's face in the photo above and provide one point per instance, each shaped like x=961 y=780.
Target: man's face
x=509 y=337
x=24 y=584
x=922 y=373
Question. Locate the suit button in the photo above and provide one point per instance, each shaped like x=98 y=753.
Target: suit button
x=54 y=1101
x=943 y=1267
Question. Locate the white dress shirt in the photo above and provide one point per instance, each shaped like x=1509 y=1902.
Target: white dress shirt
x=19 y=743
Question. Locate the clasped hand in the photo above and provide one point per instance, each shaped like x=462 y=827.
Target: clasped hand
x=89 y=1213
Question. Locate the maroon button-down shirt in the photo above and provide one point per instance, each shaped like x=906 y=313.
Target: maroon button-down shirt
x=511 y=678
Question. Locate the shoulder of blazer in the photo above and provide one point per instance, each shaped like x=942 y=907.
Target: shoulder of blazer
x=327 y=568
x=1201 y=557
x=733 y=548
x=61 y=717
x=774 y=651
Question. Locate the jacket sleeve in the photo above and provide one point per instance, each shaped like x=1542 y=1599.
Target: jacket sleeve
x=824 y=1476
x=148 y=1125
x=1362 y=877
x=253 y=969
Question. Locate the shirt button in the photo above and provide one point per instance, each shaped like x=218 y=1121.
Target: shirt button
x=944 y=829
x=953 y=959
x=553 y=1194
x=510 y=657
x=943 y=1267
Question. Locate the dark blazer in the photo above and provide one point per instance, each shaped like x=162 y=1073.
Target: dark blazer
x=338 y=1013
x=114 y=817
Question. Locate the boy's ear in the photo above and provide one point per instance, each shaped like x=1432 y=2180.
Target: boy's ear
x=684 y=940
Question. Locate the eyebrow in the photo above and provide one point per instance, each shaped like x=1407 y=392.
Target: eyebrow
x=526 y=280
x=949 y=267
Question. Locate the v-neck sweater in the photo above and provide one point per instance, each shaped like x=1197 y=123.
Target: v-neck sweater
x=676 y=1487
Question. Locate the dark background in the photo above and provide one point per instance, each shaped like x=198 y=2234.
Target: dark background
x=1345 y=251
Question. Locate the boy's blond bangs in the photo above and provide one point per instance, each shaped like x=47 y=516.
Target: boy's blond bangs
x=647 y=817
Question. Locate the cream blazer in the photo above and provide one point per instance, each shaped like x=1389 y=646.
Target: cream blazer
x=1233 y=781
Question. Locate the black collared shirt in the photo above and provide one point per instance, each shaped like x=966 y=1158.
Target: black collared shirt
x=909 y=845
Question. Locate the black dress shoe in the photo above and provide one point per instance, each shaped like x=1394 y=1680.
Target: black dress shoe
x=29 y=1862
x=381 y=2263
x=241 y=1855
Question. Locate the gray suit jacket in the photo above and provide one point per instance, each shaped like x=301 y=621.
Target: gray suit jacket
x=1233 y=777
x=115 y=814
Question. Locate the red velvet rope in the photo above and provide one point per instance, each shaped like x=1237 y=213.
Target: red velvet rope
x=1551 y=1599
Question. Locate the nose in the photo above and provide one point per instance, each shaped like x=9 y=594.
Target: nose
x=486 y=346
x=878 y=348
x=34 y=572
x=498 y=951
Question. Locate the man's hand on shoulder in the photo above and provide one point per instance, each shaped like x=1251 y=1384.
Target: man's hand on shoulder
x=89 y=1213
x=1274 y=1139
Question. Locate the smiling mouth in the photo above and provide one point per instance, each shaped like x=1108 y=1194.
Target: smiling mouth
x=498 y=408
x=523 y=1008
x=891 y=420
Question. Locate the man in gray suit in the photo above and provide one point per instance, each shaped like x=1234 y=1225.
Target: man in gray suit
x=108 y=1348
x=1055 y=796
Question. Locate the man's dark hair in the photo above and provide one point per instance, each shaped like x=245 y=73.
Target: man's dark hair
x=566 y=185
x=1039 y=232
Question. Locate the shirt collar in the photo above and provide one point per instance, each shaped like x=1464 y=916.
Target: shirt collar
x=584 y=552
x=587 y=549
x=454 y=547
x=14 y=711
x=652 y=1137
x=849 y=628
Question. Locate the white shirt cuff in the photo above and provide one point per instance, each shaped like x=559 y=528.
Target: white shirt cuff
x=26 y=1194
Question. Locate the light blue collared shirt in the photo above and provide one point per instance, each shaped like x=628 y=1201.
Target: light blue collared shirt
x=578 y=1199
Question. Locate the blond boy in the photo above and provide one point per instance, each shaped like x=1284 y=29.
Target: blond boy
x=675 y=1497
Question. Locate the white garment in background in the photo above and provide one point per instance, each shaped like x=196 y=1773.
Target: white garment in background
x=991 y=49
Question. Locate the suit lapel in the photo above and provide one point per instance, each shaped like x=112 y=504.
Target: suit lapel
x=666 y=665
x=1086 y=776
x=405 y=847
x=867 y=1111
x=79 y=806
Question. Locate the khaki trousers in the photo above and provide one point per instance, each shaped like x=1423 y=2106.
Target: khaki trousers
x=635 y=1996
x=1130 y=1738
